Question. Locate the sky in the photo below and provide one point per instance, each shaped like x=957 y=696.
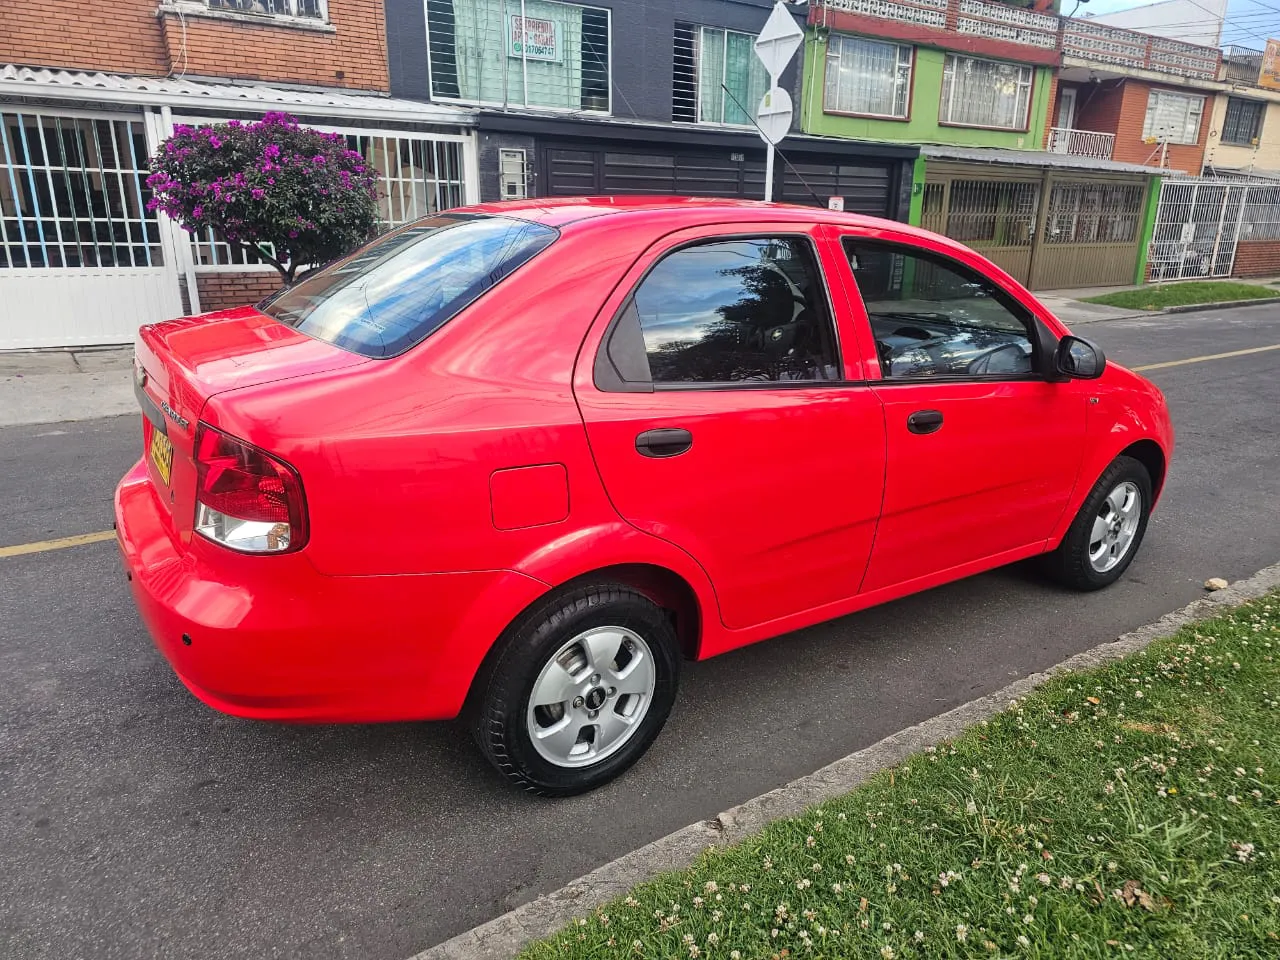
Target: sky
x=1249 y=22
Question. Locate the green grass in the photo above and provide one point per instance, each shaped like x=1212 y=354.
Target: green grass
x=1129 y=811
x=1159 y=296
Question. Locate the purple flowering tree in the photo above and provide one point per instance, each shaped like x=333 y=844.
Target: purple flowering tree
x=292 y=195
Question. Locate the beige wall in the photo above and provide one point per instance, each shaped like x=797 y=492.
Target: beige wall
x=1266 y=156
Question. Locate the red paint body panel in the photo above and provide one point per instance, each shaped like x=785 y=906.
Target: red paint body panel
x=449 y=488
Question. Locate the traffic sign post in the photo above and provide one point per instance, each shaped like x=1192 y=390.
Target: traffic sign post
x=776 y=45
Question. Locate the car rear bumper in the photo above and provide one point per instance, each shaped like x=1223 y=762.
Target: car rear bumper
x=270 y=638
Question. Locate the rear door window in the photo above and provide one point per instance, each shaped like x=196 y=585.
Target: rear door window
x=733 y=312
x=397 y=290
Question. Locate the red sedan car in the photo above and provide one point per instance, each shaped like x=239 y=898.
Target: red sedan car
x=517 y=461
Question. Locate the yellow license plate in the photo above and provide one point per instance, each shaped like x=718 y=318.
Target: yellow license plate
x=162 y=454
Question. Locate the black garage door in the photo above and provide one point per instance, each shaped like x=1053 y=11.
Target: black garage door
x=568 y=171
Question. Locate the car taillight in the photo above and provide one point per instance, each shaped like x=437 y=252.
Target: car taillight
x=246 y=499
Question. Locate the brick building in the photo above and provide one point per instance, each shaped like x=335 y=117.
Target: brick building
x=88 y=91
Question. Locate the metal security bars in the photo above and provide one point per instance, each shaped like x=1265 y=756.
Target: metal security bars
x=1203 y=225
x=73 y=193
x=306 y=9
x=417 y=176
x=1094 y=212
x=531 y=53
x=705 y=61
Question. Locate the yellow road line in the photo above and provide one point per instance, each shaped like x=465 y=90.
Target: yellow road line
x=41 y=546
x=1210 y=356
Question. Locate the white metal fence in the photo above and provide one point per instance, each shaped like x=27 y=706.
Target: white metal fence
x=1201 y=221
x=1081 y=143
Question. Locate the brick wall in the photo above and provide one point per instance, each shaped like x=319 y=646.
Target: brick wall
x=121 y=37
x=1098 y=106
x=1131 y=148
x=221 y=291
x=128 y=36
x=1257 y=258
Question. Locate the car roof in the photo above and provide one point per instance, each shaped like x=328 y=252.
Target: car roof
x=677 y=212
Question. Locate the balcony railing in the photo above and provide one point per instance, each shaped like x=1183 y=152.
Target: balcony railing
x=945 y=22
x=1081 y=143
x=1241 y=65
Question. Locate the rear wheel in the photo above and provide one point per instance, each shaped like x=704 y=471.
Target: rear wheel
x=578 y=691
x=1106 y=533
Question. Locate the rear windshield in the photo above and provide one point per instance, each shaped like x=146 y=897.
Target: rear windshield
x=396 y=291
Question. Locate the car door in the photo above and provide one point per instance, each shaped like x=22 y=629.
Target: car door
x=723 y=419
x=983 y=450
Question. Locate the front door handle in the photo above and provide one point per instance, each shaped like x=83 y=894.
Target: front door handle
x=925 y=421
x=664 y=442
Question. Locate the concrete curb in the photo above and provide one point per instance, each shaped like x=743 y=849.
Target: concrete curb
x=504 y=936
x=1221 y=305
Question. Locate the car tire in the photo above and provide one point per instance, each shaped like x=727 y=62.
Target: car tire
x=577 y=690
x=1107 y=531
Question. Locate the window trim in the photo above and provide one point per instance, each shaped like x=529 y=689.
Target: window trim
x=1260 y=105
x=911 y=81
x=1156 y=92
x=699 y=120
x=510 y=104
x=611 y=383
x=1043 y=340
x=944 y=106
x=202 y=8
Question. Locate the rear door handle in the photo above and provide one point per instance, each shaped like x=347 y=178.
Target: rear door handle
x=664 y=442
x=925 y=421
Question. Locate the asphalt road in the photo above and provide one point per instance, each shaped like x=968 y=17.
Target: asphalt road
x=138 y=823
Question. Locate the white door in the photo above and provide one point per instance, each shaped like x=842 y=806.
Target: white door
x=81 y=258
x=1067 y=108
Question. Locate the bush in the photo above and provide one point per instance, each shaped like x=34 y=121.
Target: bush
x=271 y=182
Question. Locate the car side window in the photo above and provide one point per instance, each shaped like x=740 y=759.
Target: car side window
x=934 y=317
x=732 y=311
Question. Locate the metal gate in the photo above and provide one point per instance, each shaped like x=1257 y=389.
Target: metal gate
x=1197 y=227
x=81 y=256
x=1047 y=231
x=995 y=217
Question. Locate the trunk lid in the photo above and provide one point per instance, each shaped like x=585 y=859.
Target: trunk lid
x=180 y=364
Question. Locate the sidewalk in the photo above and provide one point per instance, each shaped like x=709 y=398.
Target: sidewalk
x=52 y=386
x=1068 y=306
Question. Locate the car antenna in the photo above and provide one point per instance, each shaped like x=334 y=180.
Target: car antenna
x=776 y=148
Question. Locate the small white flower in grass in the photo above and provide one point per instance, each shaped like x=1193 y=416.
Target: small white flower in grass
x=582 y=921
x=971 y=808
x=1244 y=851
x=694 y=951
x=697 y=902
x=837 y=888
x=887 y=952
x=803 y=883
x=962 y=932
x=886 y=926
x=746 y=888
x=710 y=886
x=841 y=816
x=712 y=939
x=1044 y=878
x=636 y=944
x=687 y=938
x=1033 y=899
x=1028 y=918
x=715 y=916
x=1024 y=940
x=810 y=842
x=735 y=955
x=848 y=858
x=1232 y=798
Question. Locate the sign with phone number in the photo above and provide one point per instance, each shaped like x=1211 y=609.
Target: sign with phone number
x=533 y=39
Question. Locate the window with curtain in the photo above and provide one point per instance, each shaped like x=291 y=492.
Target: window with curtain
x=867 y=77
x=726 y=58
x=1173 y=117
x=540 y=53
x=1243 y=122
x=985 y=93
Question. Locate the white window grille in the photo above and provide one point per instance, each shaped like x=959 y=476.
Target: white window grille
x=513 y=176
x=1173 y=117
x=303 y=9
x=985 y=93
x=867 y=77
x=417 y=177
x=73 y=193
x=531 y=53
x=707 y=61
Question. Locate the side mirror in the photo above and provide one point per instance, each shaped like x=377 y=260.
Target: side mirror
x=1078 y=359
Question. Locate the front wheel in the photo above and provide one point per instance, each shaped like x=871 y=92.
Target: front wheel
x=1106 y=533
x=578 y=691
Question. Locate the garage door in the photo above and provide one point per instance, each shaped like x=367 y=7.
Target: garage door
x=577 y=171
